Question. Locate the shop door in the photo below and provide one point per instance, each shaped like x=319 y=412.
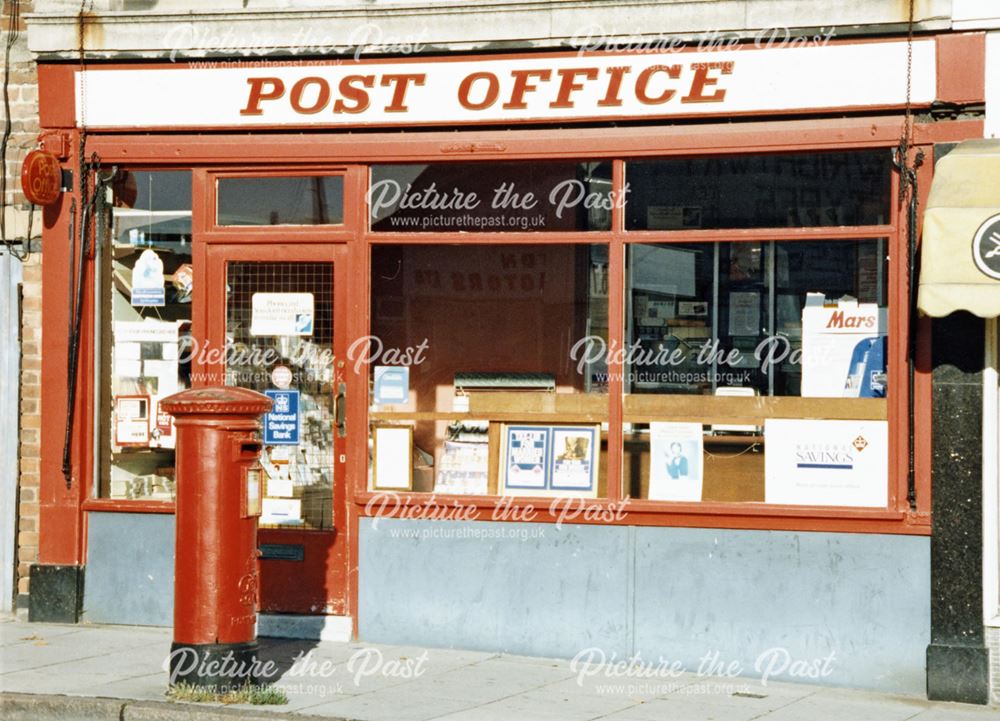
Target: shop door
x=278 y=311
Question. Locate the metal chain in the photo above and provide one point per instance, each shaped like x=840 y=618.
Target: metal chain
x=906 y=133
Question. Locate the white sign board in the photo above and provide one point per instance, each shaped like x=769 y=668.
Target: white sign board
x=281 y=314
x=826 y=463
x=555 y=87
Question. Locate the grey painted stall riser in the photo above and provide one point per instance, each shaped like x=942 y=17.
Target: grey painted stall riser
x=662 y=593
x=130 y=569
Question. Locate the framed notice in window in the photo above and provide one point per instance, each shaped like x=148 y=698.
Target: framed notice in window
x=524 y=458
x=538 y=460
x=392 y=458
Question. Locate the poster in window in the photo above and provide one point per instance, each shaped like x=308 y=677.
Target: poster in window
x=463 y=468
x=573 y=454
x=281 y=512
x=843 y=349
x=744 y=261
x=132 y=420
x=826 y=463
x=525 y=457
x=148 y=288
x=744 y=314
x=676 y=470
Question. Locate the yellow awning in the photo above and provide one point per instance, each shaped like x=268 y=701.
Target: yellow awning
x=960 y=251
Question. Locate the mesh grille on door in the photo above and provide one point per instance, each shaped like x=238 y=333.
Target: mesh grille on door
x=299 y=490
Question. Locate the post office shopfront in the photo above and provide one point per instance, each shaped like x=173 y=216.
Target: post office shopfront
x=567 y=351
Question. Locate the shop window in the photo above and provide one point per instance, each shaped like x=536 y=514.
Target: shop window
x=759 y=191
x=744 y=350
x=503 y=197
x=147 y=280
x=281 y=200
x=266 y=354
x=474 y=389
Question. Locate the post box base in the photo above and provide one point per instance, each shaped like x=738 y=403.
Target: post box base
x=218 y=667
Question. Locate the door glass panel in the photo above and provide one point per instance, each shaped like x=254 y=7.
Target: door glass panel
x=279 y=333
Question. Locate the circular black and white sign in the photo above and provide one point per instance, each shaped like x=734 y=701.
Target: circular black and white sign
x=986 y=247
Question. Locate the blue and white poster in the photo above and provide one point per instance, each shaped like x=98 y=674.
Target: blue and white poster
x=147 y=281
x=527 y=457
x=281 y=425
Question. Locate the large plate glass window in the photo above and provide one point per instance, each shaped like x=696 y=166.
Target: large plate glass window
x=758 y=369
x=475 y=389
x=147 y=278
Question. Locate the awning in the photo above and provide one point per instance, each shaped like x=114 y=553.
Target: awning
x=960 y=252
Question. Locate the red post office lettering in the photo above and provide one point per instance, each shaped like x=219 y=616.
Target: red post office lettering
x=518 y=90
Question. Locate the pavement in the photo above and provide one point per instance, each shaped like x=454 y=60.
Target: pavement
x=116 y=673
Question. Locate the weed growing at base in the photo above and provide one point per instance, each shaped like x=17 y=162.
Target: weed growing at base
x=255 y=695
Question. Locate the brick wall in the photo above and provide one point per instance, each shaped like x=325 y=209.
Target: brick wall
x=31 y=387
x=23 y=94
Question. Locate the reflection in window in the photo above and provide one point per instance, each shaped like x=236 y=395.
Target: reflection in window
x=490 y=197
x=146 y=306
x=759 y=191
x=293 y=200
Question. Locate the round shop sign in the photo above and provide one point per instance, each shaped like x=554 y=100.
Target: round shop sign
x=41 y=177
x=986 y=247
x=281 y=377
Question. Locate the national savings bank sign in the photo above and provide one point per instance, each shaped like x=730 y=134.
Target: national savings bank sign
x=483 y=89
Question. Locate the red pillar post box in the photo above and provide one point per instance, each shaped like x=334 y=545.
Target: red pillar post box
x=218 y=501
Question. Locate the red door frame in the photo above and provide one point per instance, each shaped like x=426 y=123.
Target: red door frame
x=328 y=558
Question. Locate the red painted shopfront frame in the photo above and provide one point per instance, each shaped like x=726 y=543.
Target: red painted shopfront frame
x=63 y=541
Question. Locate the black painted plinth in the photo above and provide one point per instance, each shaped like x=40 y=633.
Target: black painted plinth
x=958 y=673
x=55 y=594
x=217 y=667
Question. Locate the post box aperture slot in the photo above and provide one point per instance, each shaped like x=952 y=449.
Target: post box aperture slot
x=249 y=449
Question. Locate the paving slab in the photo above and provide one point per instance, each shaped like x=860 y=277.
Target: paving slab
x=55 y=672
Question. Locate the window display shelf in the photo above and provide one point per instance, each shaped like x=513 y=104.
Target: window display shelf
x=513 y=406
x=749 y=410
x=503 y=417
